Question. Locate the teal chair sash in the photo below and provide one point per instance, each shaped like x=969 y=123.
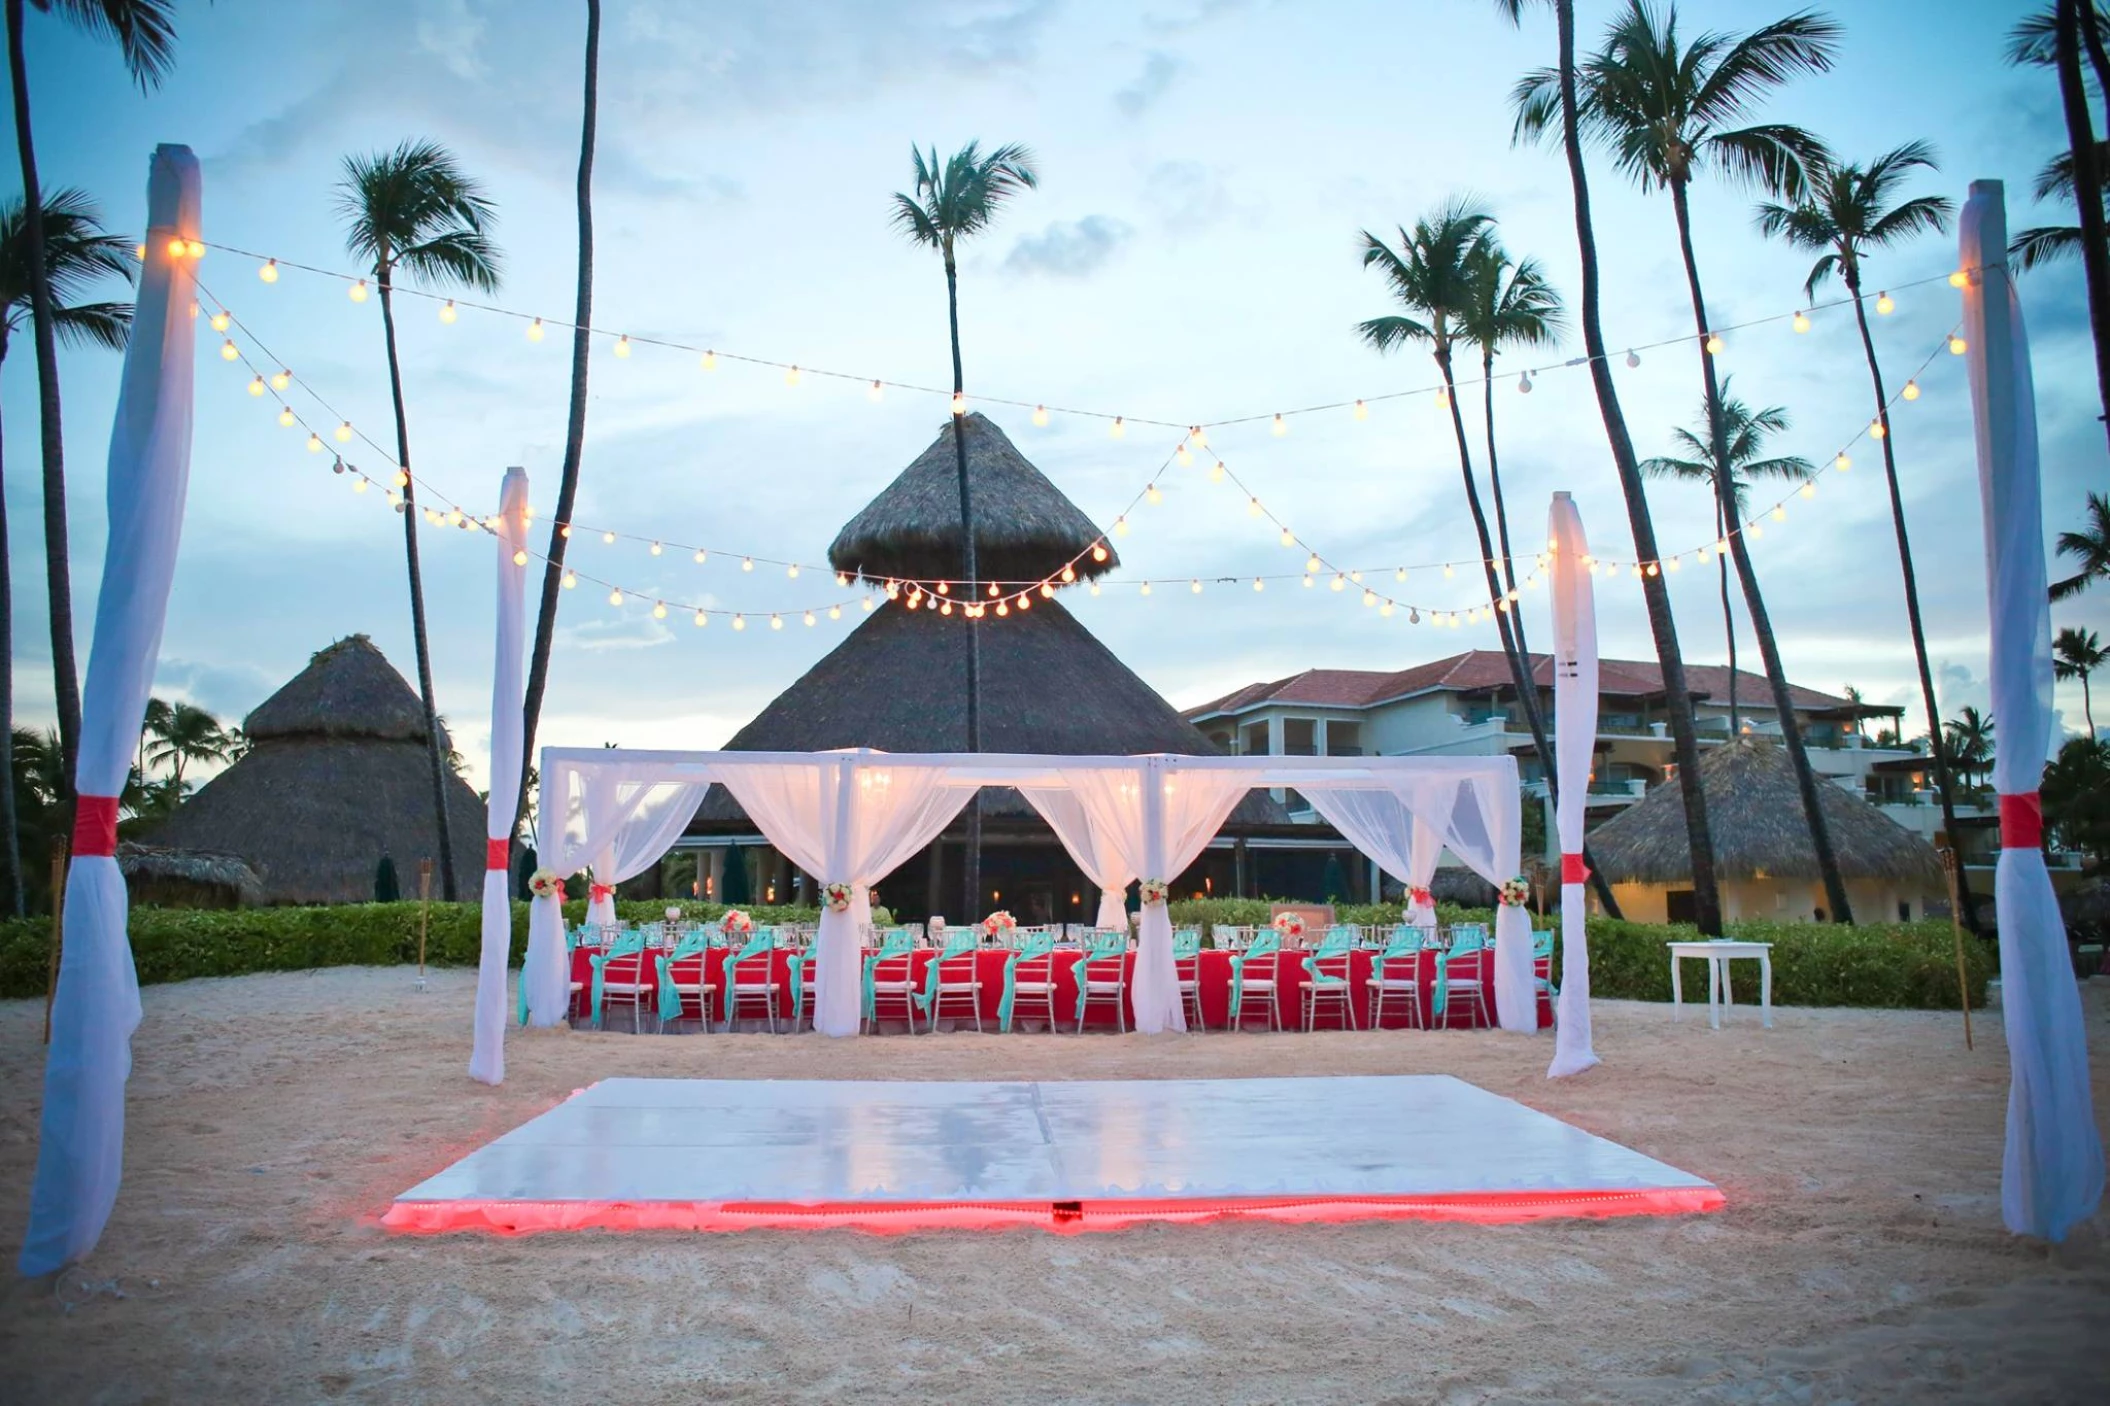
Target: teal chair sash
x=1266 y=943
x=1406 y=941
x=624 y=945
x=1466 y=939
x=1038 y=944
x=892 y=944
x=1542 y=951
x=1187 y=942
x=801 y=978
x=958 y=941
x=691 y=943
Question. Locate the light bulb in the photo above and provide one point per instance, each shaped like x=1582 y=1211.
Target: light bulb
x=534 y=330
x=1399 y=574
x=1258 y=584
x=1369 y=598
x=1095 y=588
x=1153 y=494
x=1362 y=411
x=337 y=464
x=447 y=313
x=1524 y=383
x=1633 y=358
x=739 y=622
x=1069 y=573
x=1307 y=580
x=256 y=386
x=139 y=252
x=1912 y=390
x=220 y=321
x=520 y=557
x=875 y=392
x=656 y=549
x=702 y=556
x=702 y=619
x=1802 y=321
x=1253 y=508
x=571 y=579
x=1311 y=564
x=1876 y=430
x=1714 y=344
x=1040 y=414
x=454 y=517
x=1443 y=398
x=1958 y=279
x=1289 y=538
x=564 y=530
x=281 y=380
x=1651 y=569
x=1024 y=601
x=402 y=479
x=1884 y=305
x=835 y=612
x=344 y=432
x=792 y=571
x=1195 y=586
x=1446 y=571
x=1356 y=576
x=1120 y=527
x=868 y=605
x=1281 y=425
x=229 y=351
x=357 y=291
x=1339 y=581
x=659 y=610
x=1184 y=455
x=177 y=248
x=615 y=597
x=945 y=608
x=269 y=272
x=432 y=515
x=1098 y=552
x=1146 y=588
x=608 y=537
x=1780 y=514
x=959 y=402
x=710 y=361
x=791 y=376
x=1672 y=564
x=1385 y=610
x=195 y=248
x=1958 y=346
x=622 y=345
x=1842 y=463
x=1118 y=428
x=747 y=563
x=285 y=415
x=314 y=444
x=359 y=484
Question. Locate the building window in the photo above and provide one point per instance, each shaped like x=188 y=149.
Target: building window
x=1344 y=739
x=1300 y=737
x=1255 y=744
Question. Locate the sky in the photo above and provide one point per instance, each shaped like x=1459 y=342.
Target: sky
x=1191 y=255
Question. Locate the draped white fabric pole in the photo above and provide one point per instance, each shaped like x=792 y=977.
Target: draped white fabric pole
x=487 y=1056
x=80 y=1140
x=1574 y=730
x=2052 y=1172
x=1155 y=990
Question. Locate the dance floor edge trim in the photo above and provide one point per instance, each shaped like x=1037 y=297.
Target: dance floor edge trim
x=1062 y=1217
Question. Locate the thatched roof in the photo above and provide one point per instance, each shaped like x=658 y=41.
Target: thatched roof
x=156 y=869
x=347 y=690
x=899 y=683
x=1754 y=813
x=1024 y=528
x=336 y=774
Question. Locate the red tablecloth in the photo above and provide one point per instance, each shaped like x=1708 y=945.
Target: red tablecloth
x=1213 y=971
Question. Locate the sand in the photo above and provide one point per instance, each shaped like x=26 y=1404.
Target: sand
x=1861 y=1257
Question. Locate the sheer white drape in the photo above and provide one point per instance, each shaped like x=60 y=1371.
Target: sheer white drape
x=1383 y=826
x=1157 y=815
x=487 y=1055
x=843 y=818
x=81 y=1135
x=1092 y=850
x=2052 y=1171
x=1477 y=815
x=1574 y=729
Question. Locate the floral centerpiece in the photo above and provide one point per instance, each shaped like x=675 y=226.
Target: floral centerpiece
x=1516 y=892
x=998 y=923
x=736 y=923
x=836 y=897
x=546 y=883
x=1419 y=897
x=1290 y=926
x=1154 y=891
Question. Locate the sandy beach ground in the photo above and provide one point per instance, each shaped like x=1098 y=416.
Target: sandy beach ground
x=272 y=1119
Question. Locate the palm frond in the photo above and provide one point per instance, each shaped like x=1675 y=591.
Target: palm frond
x=1688 y=470
x=463 y=256
x=2045 y=244
x=1923 y=214
x=105 y=325
x=914 y=221
x=1767 y=58
x=1820 y=271
x=145 y=31
x=415 y=206
x=1775 y=156
x=1387 y=333
x=1537 y=101
x=2033 y=43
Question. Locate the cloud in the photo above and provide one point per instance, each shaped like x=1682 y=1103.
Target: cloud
x=1159 y=69
x=448 y=29
x=616 y=633
x=1069 y=248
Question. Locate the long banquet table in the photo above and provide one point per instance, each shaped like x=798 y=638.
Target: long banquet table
x=1213 y=972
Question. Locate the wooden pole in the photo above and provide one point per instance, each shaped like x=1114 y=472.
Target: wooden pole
x=1963 y=983
x=58 y=916
x=424 y=913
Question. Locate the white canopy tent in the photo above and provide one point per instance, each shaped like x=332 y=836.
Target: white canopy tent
x=853 y=816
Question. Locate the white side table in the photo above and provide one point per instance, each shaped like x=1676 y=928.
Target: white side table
x=1718 y=955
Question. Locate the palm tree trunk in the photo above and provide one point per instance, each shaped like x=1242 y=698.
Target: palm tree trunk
x=575 y=424
x=10 y=832
x=2087 y=186
x=1494 y=484
x=1512 y=650
x=417 y=597
x=58 y=580
x=1754 y=603
x=1728 y=615
x=1944 y=783
x=1655 y=592
x=971 y=868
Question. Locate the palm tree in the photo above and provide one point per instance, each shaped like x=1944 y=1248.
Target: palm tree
x=1565 y=103
x=1508 y=305
x=187 y=734
x=146 y=37
x=950 y=203
x=575 y=427
x=1748 y=431
x=2040 y=245
x=413 y=210
x=1968 y=739
x=2090 y=546
x=1846 y=212
x=1435 y=274
x=1662 y=107
x=76 y=254
x=2076 y=654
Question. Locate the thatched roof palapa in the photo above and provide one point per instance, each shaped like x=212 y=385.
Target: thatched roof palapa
x=1024 y=528
x=337 y=774
x=187 y=877
x=1754 y=813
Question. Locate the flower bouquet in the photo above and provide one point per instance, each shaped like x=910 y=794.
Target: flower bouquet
x=545 y=883
x=998 y=923
x=837 y=897
x=1154 y=891
x=1420 y=897
x=1290 y=926
x=1516 y=892
x=736 y=923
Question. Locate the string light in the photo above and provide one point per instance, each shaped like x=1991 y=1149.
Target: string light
x=229 y=351
x=1875 y=428
x=268 y=273
x=1524 y=383
x=702 y=556
x=710 y=361
x=256 y=386
x=659 y=610
x=739 y=622
x=1443 y=398
x=1912 y=390
x=1959 y=279
x=1196 y=586
x=1362 y=411
x=447 y=313
x=1281 y=426
x=1121 y=526
x=285 y=416
x=702 y=619
x=344 y=432
x=1843 y=462
x=1714 y=344
x=622 y=346
x=1153 y=494
x=1119 y=428
x=281 y=380
x=534 y=330
x=219 y=321
x=1040 y=415
x=520 y=557
x=1802 y=321
x=875 y=393
x=1884 y=306
x=357 y=292
x=791 y=376
x=747 y=563
x=1957 y=345
x=1633 y=358
x=571 y=579
x=959 y=403
x=1258 y=584
x=1098 y=554
x=314 y=444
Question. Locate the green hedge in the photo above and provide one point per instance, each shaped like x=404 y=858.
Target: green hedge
x=1911 y=966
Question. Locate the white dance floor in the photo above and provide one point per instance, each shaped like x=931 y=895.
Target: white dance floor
x=709 y=1154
